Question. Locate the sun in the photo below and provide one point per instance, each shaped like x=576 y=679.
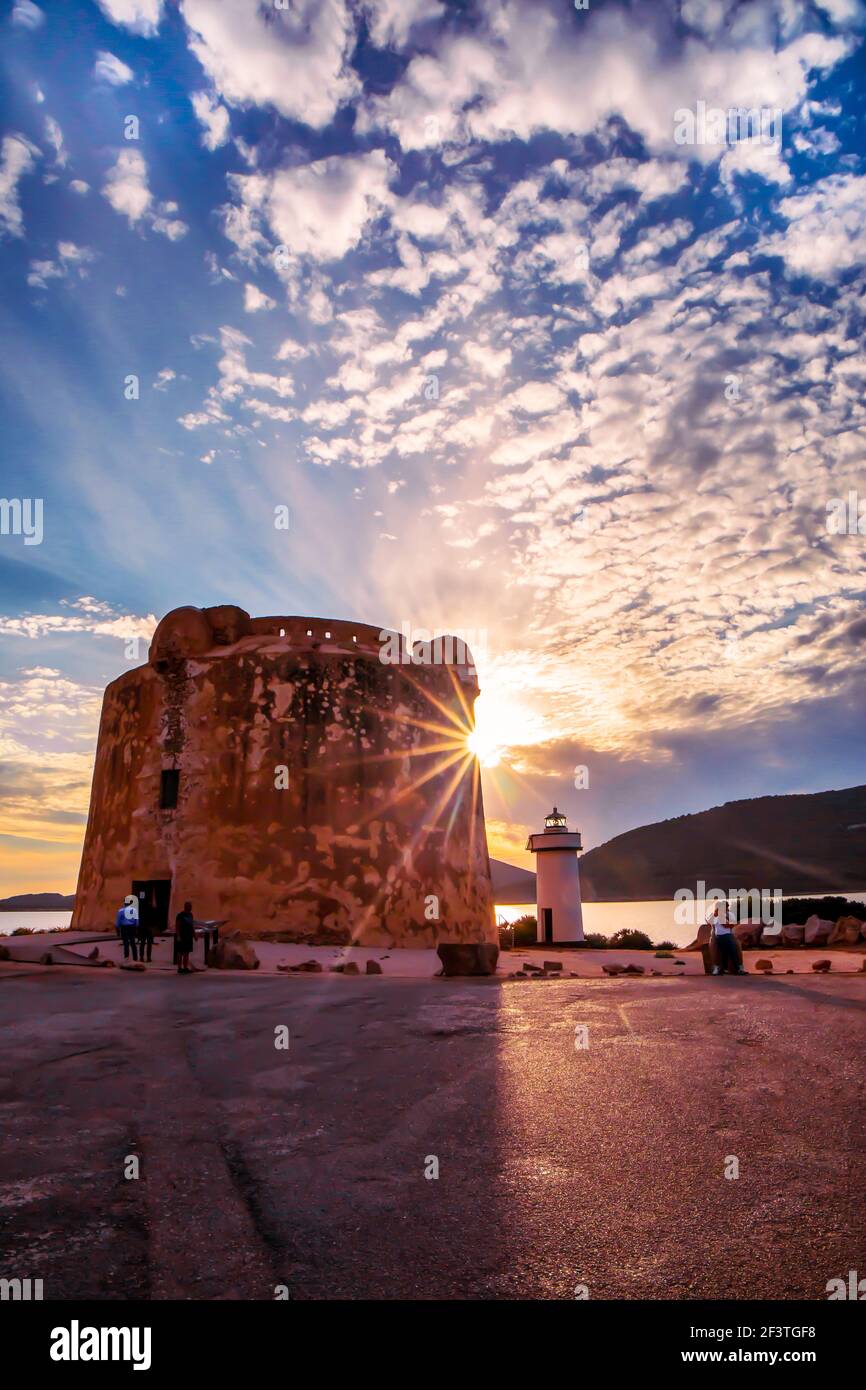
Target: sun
x=485 y=741
x=485 y=751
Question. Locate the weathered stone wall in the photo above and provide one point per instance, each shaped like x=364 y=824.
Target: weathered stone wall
x=383 y=809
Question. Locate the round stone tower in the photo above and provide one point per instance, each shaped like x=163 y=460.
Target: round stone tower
x=301 y=777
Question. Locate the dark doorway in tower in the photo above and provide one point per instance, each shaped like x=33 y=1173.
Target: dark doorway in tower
x=547 y=923
x=153 y=896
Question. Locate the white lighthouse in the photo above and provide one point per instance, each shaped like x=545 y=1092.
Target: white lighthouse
x=557 y=881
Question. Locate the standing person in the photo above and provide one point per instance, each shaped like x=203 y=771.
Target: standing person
x=723 y=937
x=145 y=929
x=184 y=932
x=126 y=922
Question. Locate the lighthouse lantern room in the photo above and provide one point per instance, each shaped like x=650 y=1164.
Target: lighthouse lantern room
x=557 y=881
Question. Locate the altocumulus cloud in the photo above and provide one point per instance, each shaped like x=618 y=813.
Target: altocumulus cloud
x=444 y=278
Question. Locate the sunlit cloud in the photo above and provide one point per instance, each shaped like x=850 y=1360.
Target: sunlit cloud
x=517 y=362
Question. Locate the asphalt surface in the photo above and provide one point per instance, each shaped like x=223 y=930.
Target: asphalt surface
x=558 y=1166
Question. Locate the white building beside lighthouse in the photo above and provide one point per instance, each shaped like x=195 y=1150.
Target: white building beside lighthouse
x=557 y=881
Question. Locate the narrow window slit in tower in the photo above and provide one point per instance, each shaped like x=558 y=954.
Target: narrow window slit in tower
x=168 y=788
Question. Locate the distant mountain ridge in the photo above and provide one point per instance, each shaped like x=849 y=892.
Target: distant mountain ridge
x=38 y=902
x=511 y=885
x=801 y=843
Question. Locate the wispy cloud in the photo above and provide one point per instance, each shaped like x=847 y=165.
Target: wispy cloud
x=112 y=70
x=17 y=158
x=518 y=360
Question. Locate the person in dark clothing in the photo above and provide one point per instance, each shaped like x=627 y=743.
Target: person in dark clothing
x=127 y=925
x=145 y=930
x=728 y=959
x=184 y=933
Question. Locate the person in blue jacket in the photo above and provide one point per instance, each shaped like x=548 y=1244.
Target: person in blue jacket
x=126 y=922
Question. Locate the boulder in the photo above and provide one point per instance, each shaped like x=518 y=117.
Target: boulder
x=764 y=965
x=748 y=933
x=471 y=958
x=846 y=932
x=374 y=968
x=636 y=969
x=822 y=965
x=351 y=968
x=233 y=955
x=818 y=930
x=613 y=969
x=770 y=938
x=552 y=965
x=4 y=953
x=793 y=935
x=309 y=967
x=47 y=959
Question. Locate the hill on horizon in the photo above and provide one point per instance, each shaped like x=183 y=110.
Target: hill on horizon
x=511 y=885
x=38 y=902
x=798 y=842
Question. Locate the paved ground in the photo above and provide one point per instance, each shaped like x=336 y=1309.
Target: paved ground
x=603 y=1166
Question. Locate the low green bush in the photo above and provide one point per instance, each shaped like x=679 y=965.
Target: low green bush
x=525 y=931
x=629 y=939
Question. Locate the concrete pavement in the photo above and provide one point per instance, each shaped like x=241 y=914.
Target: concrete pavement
x=601 y=1165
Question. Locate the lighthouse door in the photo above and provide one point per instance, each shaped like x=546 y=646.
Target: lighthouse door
x=547 y=923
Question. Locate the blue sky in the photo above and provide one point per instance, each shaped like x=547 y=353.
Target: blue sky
x=441 y=279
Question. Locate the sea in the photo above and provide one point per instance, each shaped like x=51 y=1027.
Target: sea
x=654 y=918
